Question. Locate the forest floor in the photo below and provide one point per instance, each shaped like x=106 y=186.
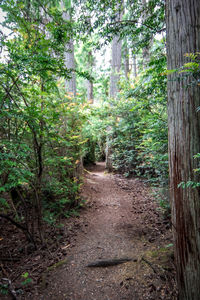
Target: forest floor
x=120 y=220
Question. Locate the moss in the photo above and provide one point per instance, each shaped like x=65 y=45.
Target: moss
x=58 y=264
x=44 y=275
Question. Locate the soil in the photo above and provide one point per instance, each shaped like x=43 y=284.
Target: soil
x=120 y=220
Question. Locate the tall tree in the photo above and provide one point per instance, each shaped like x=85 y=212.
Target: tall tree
x=90 y=96
x=126 y=59
x=115 y=75
x=183 y=36
x=145 y=51
x=69 y=52
x=116 y=56
x=134 y=65
x=115 y=65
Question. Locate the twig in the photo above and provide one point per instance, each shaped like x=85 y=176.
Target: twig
x=128 y=22
x=9 y=258
x=24 y=229
x=3 y=270
x=150 y=264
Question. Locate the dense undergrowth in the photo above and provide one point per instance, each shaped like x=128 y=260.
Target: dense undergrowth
x=47 y=133
x=135 y=124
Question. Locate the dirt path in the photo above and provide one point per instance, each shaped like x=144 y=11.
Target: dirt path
x=120 y=220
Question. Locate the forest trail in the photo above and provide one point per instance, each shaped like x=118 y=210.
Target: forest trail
x=120 y=220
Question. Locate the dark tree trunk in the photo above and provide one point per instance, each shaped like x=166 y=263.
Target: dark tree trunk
x=183 y=36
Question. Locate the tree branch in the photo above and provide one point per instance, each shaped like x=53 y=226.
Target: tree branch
x=128 y=22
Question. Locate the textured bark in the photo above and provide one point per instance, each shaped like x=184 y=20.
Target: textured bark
x=115 y=65
x=90 y=95
x=134 y=65
x=114 y=79
x=145 y=52
x=183 y=36
x=70 y=64
x=108 y=152
x=90 y=91
x=69 y=59
x=126 y=61
x=116 y=58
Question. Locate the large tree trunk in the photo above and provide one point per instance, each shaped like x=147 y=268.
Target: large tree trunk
x=183 y=36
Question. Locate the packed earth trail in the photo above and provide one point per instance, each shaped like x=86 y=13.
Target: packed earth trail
x=120 y=221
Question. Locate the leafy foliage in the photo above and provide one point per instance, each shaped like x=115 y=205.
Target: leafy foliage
x=45 y=132
x=41 y=124
x=136 y=123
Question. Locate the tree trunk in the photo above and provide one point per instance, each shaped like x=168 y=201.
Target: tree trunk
x=114 y=78
x=70 y=64
x=90 y=96
x=116 y=57
x=90 y=91
x=69 y=58
x=134 y=65
x=115 y=65
x=183 y=36
x=126 y=60
x=146 y=49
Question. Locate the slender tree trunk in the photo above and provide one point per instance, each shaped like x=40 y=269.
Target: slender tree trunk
x=126 y=60
x=90 y=96
x=114 y=79
x=134 y=65
x=145 y=52
x=183 y=36
x=70 y=64
x=69 y=58
x=90 y=91
x=116 y=57
x=115 y=65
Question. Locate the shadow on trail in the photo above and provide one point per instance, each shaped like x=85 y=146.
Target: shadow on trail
x=98 y=167
x=112 y=229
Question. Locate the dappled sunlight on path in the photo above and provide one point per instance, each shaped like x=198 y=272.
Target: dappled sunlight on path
x=120 y=221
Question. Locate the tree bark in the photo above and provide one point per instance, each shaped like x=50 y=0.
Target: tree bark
x=116 y=57
x=145 y=51
x=114 y=78
x=70 y=64
x=69 y=58
x=134 y=65
x=115 y=65
x=126 y=61
x=90 y=95
x=90 y=91
x=183 y=36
